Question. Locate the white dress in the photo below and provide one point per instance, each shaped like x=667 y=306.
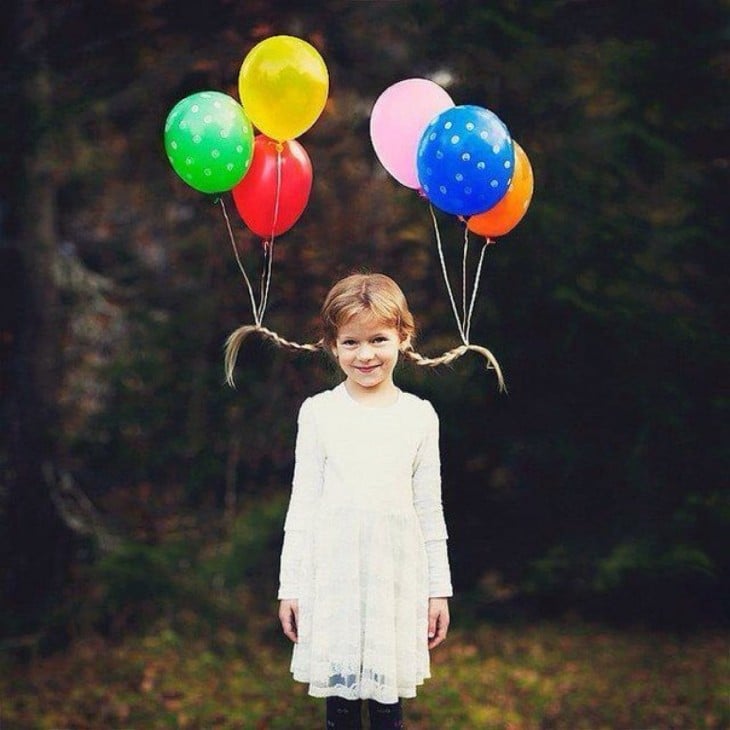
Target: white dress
x=364 y=545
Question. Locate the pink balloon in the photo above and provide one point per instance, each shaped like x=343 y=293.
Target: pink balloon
x=398 y=119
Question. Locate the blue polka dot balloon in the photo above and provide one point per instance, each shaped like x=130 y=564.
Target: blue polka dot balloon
x=465 y=160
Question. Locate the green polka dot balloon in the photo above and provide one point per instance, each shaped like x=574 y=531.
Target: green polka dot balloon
x=209 y=141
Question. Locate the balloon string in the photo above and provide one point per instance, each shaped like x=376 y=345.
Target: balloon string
x=262 y=287
x=463 y=282
x=269 y=247
x=239 y=262
x=475 y=289
x=446 y=277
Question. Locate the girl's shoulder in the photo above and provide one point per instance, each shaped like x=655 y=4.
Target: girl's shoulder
x=415 y=400
x=318 y=401
x=421 y=407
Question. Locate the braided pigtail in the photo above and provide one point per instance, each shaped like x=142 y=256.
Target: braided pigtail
x=236 y=338
x=410 y=354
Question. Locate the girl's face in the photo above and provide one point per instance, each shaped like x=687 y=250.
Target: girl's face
x=367 y=351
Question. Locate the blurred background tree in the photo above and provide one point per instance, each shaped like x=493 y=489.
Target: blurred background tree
x=596 y=486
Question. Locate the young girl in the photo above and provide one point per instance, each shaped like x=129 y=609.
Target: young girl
x=365 y=579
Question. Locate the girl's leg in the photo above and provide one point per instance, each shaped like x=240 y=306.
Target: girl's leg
x=385 y=717
x=344 y=714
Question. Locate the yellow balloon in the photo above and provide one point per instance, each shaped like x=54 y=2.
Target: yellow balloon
x=283 y=84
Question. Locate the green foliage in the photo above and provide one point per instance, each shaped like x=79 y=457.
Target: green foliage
x=253 y=553
x=641 y=556
x=138 y=584
x=561 y=567
x=191 y=569
x=635 y=579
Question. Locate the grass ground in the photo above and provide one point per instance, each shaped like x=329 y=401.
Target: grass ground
x=547 y=676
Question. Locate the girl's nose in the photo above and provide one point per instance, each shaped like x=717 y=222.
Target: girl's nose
x=365 y=352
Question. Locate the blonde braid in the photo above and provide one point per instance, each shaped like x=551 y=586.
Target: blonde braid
x=448 y=357
x=236 y=338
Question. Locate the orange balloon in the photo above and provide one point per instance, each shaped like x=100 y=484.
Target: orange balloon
x=510 y=210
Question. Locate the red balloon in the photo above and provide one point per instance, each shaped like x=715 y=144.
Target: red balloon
x=285 y=165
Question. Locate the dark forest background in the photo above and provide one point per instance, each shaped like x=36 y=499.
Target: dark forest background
x=596 y=488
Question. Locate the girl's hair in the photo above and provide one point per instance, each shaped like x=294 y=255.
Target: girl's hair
x=376 y=295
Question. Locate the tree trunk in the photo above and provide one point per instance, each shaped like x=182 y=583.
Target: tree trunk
x=34 y=543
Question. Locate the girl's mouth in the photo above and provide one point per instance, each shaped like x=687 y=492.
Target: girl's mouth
x=366 y=369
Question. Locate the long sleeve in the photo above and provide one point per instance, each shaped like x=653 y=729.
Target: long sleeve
x=429 y=508
x=306 y=488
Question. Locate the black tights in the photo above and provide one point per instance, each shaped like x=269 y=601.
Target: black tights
x=347 y=715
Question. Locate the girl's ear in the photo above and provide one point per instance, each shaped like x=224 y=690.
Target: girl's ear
x=405 y=343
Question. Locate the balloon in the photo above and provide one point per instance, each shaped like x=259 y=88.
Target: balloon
x=465 y=160
x=209 y=141
x=397 y=121
x=509 y=211
x=255 y=196
x=283 y=84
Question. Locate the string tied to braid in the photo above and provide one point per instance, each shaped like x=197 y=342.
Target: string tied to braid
x=259 y=309
x=451 y=355
x=463 y=320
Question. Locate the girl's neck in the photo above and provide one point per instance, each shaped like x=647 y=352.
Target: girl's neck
x=380 y=397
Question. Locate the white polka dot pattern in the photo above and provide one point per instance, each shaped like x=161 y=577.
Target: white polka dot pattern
x=465 y=159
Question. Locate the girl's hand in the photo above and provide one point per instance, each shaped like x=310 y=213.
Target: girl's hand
x=289 y=617
x=438 y=620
